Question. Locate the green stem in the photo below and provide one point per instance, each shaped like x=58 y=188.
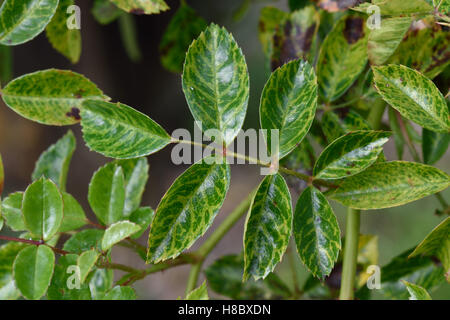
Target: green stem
x=128 y=33
x=193 y=277
x=350 y=254
x=299 y=175
x=375 y=114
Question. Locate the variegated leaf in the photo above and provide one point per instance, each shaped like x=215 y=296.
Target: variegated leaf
x=268 y=227
x=342 y=57
x=288 y=104
x=350 y=154
x=413 y=95
x=187 y=209
x=216 y=83
x=22 y=20
x=119 y=131
x=142 y=6
x=50 y=96
x=316 y=232
x=390 y=184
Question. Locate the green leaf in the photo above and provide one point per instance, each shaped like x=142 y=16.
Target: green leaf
x=64 y=40
x=334 y=126
x=215 y=82
x=105 y=12
x=8 y=253
x=419 y=270
x=436 y=243
x=100 y=283
x=390 y=184
x=65 y=280
x=268 y=227
x=141 y=7
x=74 y=216
x=342 y=57
x=135 y=173
x=269 y=21
x=413 y=95
x=33 y=271
x=384 y=40
x=201 y=293
x=120 y=293
x=426 y=50
x=316 y=232
x=118 y=232
x=106 y=193
x=54 y=162
x=42 y=208
x=23 y=20
x=142 y=217
x=84 y=240
x=434 y=145
x=416 y=292
x=295 y=37
x=187 y=209
x=183 y=28
x=86 y=261
x=12 y=211
x=119 y=131
x=50 y=96
x=288 y=103
x=350 y=154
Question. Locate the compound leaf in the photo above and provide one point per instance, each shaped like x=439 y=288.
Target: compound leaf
x=54 y=162
x=390 y=184
x=316 y=232
x=288 y=104
x=413 y=95
x=50 y=96
x=33 y=271
x=216 y=83
x=119 y=131
x=350 y=154
x=42 y=208
x=268 y=227
x=23 y=20
x=187 y=209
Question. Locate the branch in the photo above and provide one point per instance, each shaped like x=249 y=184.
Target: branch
x=34 y=242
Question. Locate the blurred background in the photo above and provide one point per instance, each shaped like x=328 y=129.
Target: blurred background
x=148 y=87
